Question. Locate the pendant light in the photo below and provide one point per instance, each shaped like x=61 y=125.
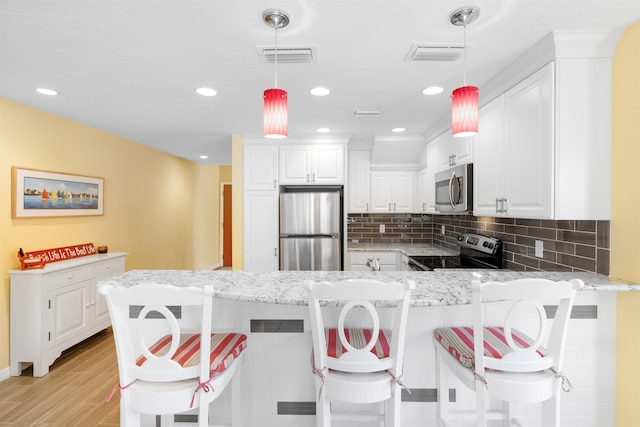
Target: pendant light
x=275 y=100
x=464 y=100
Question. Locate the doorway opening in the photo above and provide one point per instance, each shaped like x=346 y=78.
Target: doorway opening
x=226 y=223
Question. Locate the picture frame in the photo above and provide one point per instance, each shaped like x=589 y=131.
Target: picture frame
x=38 y=193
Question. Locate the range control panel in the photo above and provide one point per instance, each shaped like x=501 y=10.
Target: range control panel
x=480 y=243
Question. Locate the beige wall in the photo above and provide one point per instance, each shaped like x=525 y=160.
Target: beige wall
x=625 y=221
x=162 y=209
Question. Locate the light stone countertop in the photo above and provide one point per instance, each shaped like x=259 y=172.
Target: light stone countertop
x=408 y=249
x=444 y=287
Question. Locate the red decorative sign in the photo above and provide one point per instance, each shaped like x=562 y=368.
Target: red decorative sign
x=62 y=254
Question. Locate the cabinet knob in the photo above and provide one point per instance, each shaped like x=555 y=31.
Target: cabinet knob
x=274 y=184
x=313 y=178
x=389 y=206
x=394 y=207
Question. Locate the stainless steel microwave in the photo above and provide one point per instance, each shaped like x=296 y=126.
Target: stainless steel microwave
x=454 y=189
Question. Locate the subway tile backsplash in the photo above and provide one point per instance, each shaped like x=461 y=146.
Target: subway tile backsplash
x=569 y=245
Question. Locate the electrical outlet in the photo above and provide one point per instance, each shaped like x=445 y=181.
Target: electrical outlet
x=382 y=228
x=442 y=229
x=539 y=248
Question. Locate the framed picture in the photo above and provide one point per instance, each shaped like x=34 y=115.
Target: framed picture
x=38 y=193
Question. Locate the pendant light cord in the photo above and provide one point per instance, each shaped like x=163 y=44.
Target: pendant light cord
x=464 y=54
x=276 y=83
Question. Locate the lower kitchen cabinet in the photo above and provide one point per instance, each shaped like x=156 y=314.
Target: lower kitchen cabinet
x=56 y=307
x=387 y=260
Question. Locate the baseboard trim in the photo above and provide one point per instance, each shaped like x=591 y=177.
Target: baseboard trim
x=4 y=374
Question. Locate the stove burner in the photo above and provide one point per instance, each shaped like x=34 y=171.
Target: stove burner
x=476 y=251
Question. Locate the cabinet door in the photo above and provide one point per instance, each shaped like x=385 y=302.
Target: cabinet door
x=261 y=167
x=327 y=164
x=445 y=150
x=294 y=165
x=68 y=312
x=381 y=192
x=421 y=200
x=402 y=191
x=528 y=147
x=432 y=168
x=463 y=149
x=261 y=231
x=488 y=167
x=359 y=183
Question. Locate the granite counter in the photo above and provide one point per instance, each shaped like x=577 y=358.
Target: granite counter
x=444 y=287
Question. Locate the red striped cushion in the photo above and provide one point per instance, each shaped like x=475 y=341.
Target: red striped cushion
x=459 y=342
x=358 y=338
x=224 y=349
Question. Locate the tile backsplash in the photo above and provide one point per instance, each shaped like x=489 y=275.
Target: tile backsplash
x=569 y=245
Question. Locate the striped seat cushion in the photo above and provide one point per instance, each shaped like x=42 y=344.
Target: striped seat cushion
x=358 y=338
x=225 y=348
x=459 y=342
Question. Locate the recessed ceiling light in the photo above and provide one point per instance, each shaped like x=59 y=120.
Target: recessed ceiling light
x=323 y=130
x=206 y=91
x=204 y=156
x=44 y=91
x=433 y=90
x=398 y=130
x=320 y=91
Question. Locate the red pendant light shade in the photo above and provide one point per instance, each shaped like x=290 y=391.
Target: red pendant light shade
x=275 y=113
x=464 y=100
x=464 y=111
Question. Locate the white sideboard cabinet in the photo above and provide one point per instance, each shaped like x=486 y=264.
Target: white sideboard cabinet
x=56 y=307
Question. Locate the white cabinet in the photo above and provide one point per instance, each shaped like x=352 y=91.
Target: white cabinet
x=513 y=160
x=421 y=200
x=56 y=307
x=359 y=183
x=261 y=238
x=311 y=164
x=392 y=191
x=454 y=151
x=260 y=167
x=387 y=260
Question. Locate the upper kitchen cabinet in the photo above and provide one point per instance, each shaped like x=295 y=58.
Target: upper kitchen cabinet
x=453 y=151
x=513 y=168
x=260 y=167
x=392 y=191
x=359 y=188
x=543 y=149
x=311 y=164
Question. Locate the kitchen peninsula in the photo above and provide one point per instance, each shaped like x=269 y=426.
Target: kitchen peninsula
x=278 y=384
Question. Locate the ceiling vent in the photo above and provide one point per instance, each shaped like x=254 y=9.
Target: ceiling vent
x=434 y=52
x=287 y=54
x=367 y=113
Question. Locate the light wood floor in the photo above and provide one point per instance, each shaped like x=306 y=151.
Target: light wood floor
x=72 y=394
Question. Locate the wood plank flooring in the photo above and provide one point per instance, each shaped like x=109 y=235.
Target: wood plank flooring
x=72 y=394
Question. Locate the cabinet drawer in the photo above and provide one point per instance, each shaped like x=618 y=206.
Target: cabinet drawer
x=115 y=266
x=383 y=257
x=71 y=275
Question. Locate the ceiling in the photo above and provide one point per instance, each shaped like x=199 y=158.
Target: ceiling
x=131 y=68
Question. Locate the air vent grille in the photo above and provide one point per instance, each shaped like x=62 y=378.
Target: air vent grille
x=287 y=54
x=367 y=113
x=434 y=52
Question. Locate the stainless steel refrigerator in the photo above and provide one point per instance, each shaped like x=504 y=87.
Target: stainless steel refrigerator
x=311 y=229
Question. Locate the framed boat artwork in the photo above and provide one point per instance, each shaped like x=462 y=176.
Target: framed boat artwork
x=39 y=193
